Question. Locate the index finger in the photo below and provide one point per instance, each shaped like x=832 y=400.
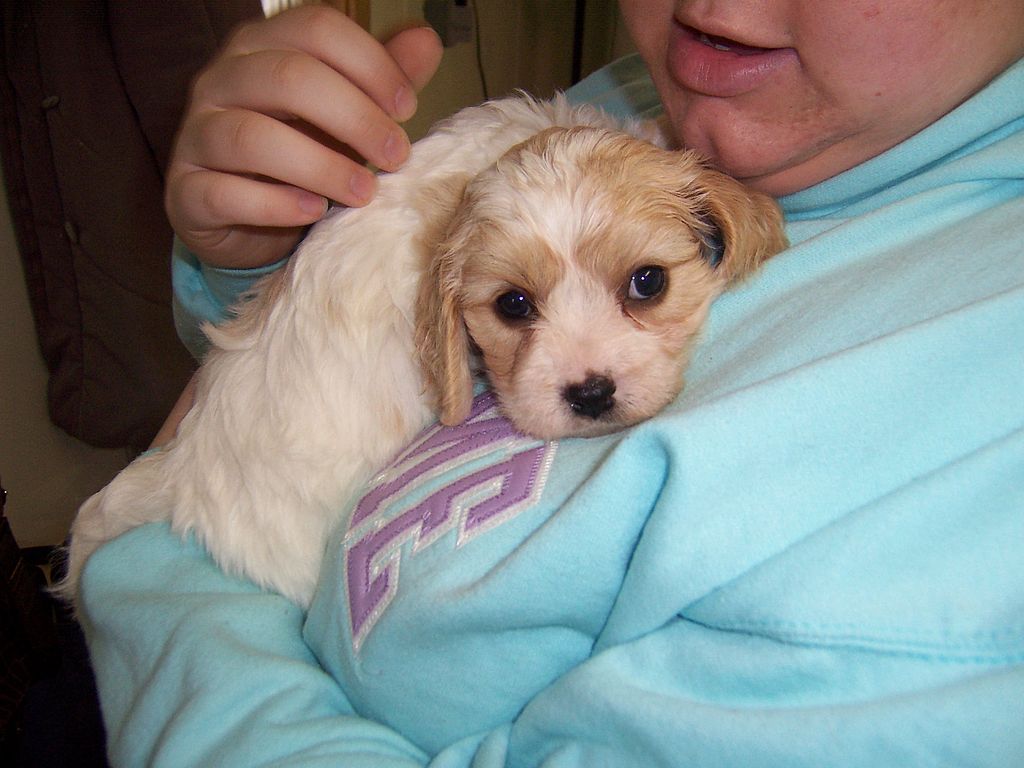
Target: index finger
x=338 y=41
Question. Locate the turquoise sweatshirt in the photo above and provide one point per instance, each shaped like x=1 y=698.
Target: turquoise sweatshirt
x=815 y=556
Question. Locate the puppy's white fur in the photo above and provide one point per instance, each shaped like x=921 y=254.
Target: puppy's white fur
x=319 y=380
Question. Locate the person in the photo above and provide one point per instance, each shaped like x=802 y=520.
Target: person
x=812 y=557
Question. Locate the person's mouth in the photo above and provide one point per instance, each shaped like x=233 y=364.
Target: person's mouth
x=725 y=44
x=713 y=65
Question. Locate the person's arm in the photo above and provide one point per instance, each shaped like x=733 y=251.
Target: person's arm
x=197 y=668
x=697 y=695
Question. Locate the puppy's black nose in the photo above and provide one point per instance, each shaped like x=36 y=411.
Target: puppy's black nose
x=591 y=397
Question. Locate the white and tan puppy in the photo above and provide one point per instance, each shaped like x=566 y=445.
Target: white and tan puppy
x=576 y=260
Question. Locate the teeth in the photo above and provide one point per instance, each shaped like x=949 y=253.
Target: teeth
x=713 y=43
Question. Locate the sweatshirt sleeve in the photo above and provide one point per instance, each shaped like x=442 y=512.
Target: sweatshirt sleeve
x=687 y=695
x=198 y=668
x=205 y=294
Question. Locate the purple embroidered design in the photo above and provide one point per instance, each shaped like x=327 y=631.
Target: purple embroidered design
x=395 y=510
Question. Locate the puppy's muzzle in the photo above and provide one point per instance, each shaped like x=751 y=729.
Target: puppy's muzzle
x=592 y=397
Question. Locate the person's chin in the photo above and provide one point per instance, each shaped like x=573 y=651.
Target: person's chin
x=734 y=136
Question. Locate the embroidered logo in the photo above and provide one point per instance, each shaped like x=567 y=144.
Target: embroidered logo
x=493 y=472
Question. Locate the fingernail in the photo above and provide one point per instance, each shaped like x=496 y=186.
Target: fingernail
x=427 y=26
x=396 y=149
x=362 y=185
x=405 y=103
x=314 y=205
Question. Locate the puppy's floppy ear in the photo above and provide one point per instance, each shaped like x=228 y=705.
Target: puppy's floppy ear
x=744 y=227
x=442 y=340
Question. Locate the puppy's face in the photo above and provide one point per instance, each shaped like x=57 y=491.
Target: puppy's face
x=583 y=320
x=581 y=267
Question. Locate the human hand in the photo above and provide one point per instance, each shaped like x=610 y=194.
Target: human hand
x=277 y=125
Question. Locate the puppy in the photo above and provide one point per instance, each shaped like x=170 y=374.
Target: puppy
x=576 y=260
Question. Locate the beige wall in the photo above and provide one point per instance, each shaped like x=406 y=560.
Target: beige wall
x=525 y=44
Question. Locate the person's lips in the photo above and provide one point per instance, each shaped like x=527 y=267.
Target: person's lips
x=721 y=67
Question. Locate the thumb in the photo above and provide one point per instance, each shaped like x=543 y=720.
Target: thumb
x=417 y=52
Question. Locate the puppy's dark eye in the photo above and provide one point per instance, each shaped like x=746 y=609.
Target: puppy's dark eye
x=514 y=305
x=646 y=283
